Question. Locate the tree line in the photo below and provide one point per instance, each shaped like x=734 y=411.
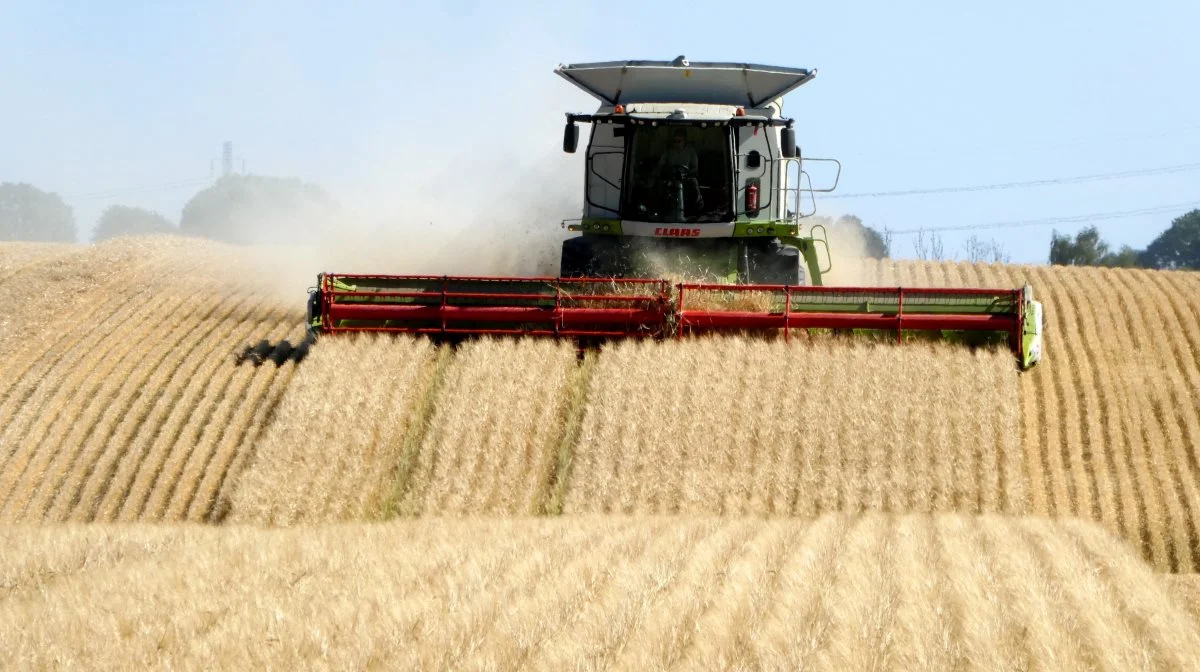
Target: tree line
x=250 y=209
x=1177 y=248
x=235 y=209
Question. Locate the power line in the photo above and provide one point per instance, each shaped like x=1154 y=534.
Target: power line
x=226 y=166
x=97 y=195
x=1071 y=219
x=1185 y=167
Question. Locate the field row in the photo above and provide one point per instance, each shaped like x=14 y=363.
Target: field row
x=1106 y=428
x=1111 y=419
x=837 y=593
x=377 y=425
x=738 y=426
x=126 y=405
x=119 y=400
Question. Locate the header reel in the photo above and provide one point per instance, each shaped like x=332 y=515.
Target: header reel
x=604 y=308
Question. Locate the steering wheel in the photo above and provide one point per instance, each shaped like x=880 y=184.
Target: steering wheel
x=677 y=184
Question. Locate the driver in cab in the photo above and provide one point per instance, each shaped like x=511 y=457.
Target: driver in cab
x=680 y=161
x=679 y=154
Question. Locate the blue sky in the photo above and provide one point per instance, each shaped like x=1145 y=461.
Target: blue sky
x=433 y=110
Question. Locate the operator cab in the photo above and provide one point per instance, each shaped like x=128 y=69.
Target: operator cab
x=680 y=143
x=679 y=173
x=683 y=163
x=690 y=165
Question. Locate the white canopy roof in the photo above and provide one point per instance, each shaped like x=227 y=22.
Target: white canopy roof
x=679 y=81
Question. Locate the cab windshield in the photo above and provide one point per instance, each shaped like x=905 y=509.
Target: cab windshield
x=678 y=174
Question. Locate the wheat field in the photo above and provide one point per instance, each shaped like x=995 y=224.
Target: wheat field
x=121 y=400
x=701 y=427
x=828 y=503
x=493 y=440
x=1111 y=419
x=735 y=426
x=338 y=435
x=839 y=592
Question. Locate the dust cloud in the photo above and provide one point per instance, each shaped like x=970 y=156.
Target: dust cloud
x=513 y=227
x=848 y=257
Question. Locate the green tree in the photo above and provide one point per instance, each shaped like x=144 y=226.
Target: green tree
x=1126 y=257
x=28 y=213
x=254 y=209
x=121 y=220
x=1178 y=247
x=1087 y=248
x=851 y=228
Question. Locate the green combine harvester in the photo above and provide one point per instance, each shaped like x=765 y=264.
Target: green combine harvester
x=691 y=170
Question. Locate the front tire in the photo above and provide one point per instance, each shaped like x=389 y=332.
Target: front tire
x=594 y=257
x=774 y=264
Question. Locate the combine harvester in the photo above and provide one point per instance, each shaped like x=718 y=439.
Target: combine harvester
x=692 y=171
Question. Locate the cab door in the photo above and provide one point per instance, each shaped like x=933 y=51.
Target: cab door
x=605 y=170
x=755 y=176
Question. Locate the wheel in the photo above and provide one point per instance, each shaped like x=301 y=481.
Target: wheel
x=774 y=264
x=594 y=257
x=578 y=258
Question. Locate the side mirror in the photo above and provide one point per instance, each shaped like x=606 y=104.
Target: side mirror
x=570 y=138
x=787 y=143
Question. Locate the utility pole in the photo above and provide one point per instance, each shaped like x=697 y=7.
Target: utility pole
x=227 y=158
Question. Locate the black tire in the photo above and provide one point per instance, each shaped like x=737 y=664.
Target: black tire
x=576 y=258
x=313 y=308
x=774 y=264
x=594 y=257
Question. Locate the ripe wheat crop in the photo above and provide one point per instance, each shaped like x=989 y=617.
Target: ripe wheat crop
x=120 y=400
x=375 y=425
x=1111 y=419
x=113 y=340
x=19 y=256
x=339 y=434
x=1186 y=588
x=839 y=592
x=492 y=446
x=738 y=426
